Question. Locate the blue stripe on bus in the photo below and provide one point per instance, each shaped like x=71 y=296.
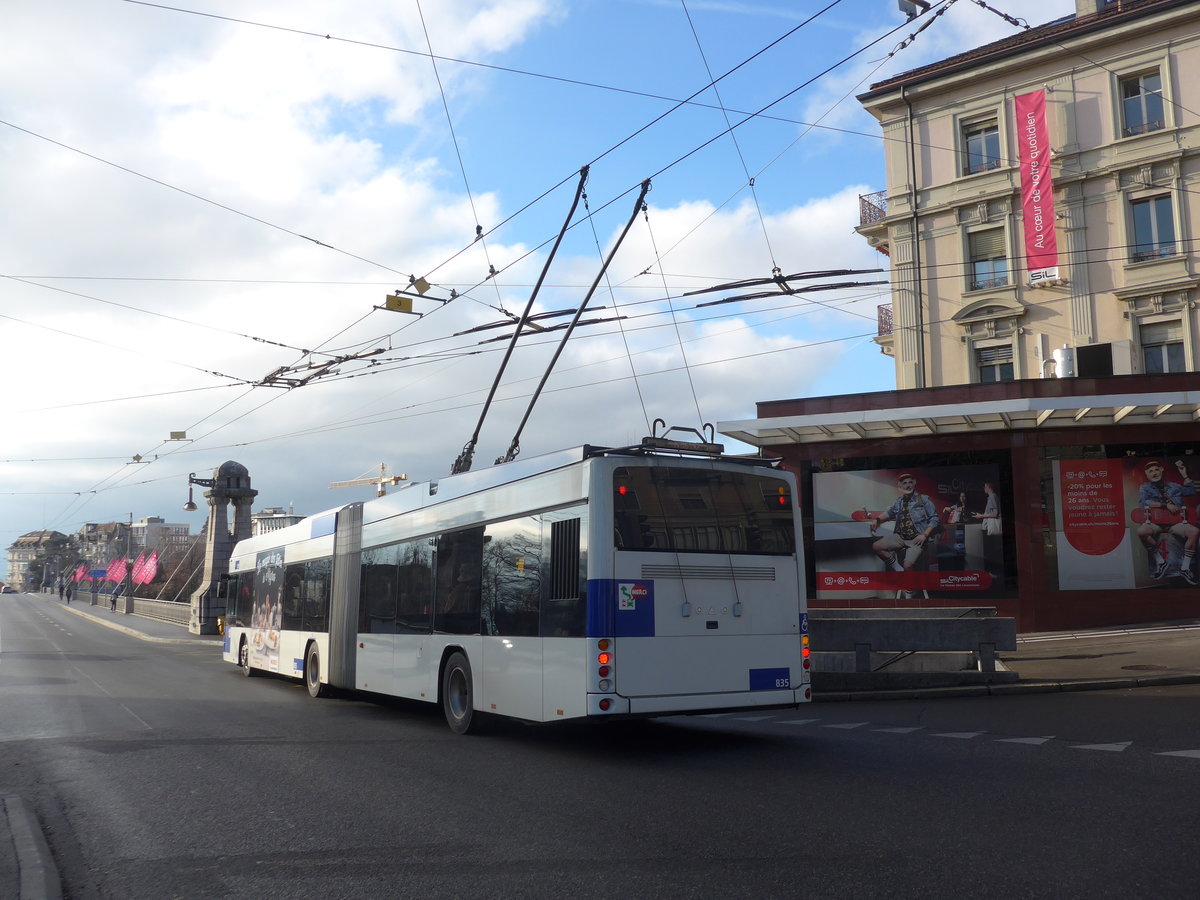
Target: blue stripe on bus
x=620 y=608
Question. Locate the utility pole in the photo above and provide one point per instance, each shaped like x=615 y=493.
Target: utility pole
x=129 y=566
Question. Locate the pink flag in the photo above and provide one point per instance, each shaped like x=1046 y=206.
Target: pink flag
x=150 y=570
x=1037 y=191
x=81 y=572
x=137 y=568
x=116 y=570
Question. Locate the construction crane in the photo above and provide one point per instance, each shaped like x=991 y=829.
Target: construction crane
x=381 y=481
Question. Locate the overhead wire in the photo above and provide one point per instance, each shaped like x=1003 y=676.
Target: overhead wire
x=395 y=270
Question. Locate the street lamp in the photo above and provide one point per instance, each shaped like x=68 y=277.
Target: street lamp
x=190 y=506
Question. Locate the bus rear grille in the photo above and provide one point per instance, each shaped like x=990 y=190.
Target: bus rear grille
x=712 y=573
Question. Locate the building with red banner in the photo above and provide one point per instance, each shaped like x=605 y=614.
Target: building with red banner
x=1041 y=196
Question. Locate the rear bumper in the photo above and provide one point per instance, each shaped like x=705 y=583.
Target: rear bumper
x=694 y=703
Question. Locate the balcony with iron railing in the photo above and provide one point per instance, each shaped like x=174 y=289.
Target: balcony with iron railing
x=884 y=313
x=1145 y=252
x=988 y=283
x=872 y=208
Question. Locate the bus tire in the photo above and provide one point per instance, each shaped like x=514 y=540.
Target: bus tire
x=244 y=658
x=458 y=695
x=312 y=671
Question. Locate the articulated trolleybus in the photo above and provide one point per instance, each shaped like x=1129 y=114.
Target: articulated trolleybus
x=656 y=579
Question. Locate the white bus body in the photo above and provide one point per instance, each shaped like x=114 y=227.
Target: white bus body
x=585 y=583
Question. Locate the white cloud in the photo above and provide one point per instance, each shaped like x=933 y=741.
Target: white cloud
x=347 y=145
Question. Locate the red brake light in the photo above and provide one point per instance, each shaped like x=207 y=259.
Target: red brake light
x=603 y=658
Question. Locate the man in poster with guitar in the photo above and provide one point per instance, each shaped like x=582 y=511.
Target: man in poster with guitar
x=1163 y=510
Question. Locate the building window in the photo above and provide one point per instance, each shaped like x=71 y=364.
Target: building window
x=987 y=260
x=981 y=146
x=994 y=363
x=1141 y=104
x=1153 y=228
x=1162 y=347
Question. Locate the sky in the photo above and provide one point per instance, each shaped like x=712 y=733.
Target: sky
x=203 y=208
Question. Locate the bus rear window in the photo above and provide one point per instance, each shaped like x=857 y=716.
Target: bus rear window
x=685 y=510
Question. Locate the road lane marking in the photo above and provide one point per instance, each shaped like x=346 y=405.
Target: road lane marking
x=958 y=735
x=1194 y=754
x=753 y=718
x=1038 y=741
x=1109 y=748
x=847 y=725
x=798 y=721
x=898 y=730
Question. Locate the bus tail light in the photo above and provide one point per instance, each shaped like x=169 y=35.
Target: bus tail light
x=804 y=651
x=604 y=669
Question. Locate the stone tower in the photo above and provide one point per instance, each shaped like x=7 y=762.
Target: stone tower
x=230 y=483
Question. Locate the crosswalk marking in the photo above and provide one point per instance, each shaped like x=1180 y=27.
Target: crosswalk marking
x=1110 y=748
x=1026 y=740
x=897 y=730
x=1194 y=754
x=960 y=735
x=847 y=725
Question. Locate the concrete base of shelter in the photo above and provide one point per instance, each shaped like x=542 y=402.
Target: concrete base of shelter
x=903 y=671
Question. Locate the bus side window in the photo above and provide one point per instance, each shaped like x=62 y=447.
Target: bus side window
x=293 y=587
x=512 y=577
x=459 y=577
x=231 y=599
x=316 y=594
x=245 y=600
x=414 y=607
x=377 y=606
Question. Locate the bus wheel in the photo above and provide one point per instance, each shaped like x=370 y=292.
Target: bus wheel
x=312 y=671
x=458 y=701
x=244 y=658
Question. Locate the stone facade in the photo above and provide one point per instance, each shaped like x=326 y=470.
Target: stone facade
x=1121 y=83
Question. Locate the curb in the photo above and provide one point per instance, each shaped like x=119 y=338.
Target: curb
x=199 y=640
x=37 y=874
x=999 y=690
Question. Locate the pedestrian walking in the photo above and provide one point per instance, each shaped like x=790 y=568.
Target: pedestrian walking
x=60 y=589
x=112 y=601
x=68 y=592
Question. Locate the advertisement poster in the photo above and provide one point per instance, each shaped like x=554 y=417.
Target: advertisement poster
x=1126 y=523
x=267 y=617
x=908 y=534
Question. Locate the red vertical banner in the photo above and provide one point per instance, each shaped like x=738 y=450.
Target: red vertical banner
x=1037 y=189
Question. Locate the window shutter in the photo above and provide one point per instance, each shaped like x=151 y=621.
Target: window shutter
x=987 y=356
x=987 y=244
x=1161 y=333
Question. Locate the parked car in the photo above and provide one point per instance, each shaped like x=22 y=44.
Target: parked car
x=5 y=589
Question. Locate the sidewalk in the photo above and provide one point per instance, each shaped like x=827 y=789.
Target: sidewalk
x=137 y=626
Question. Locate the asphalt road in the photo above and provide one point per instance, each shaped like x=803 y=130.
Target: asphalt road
x=157 y=771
